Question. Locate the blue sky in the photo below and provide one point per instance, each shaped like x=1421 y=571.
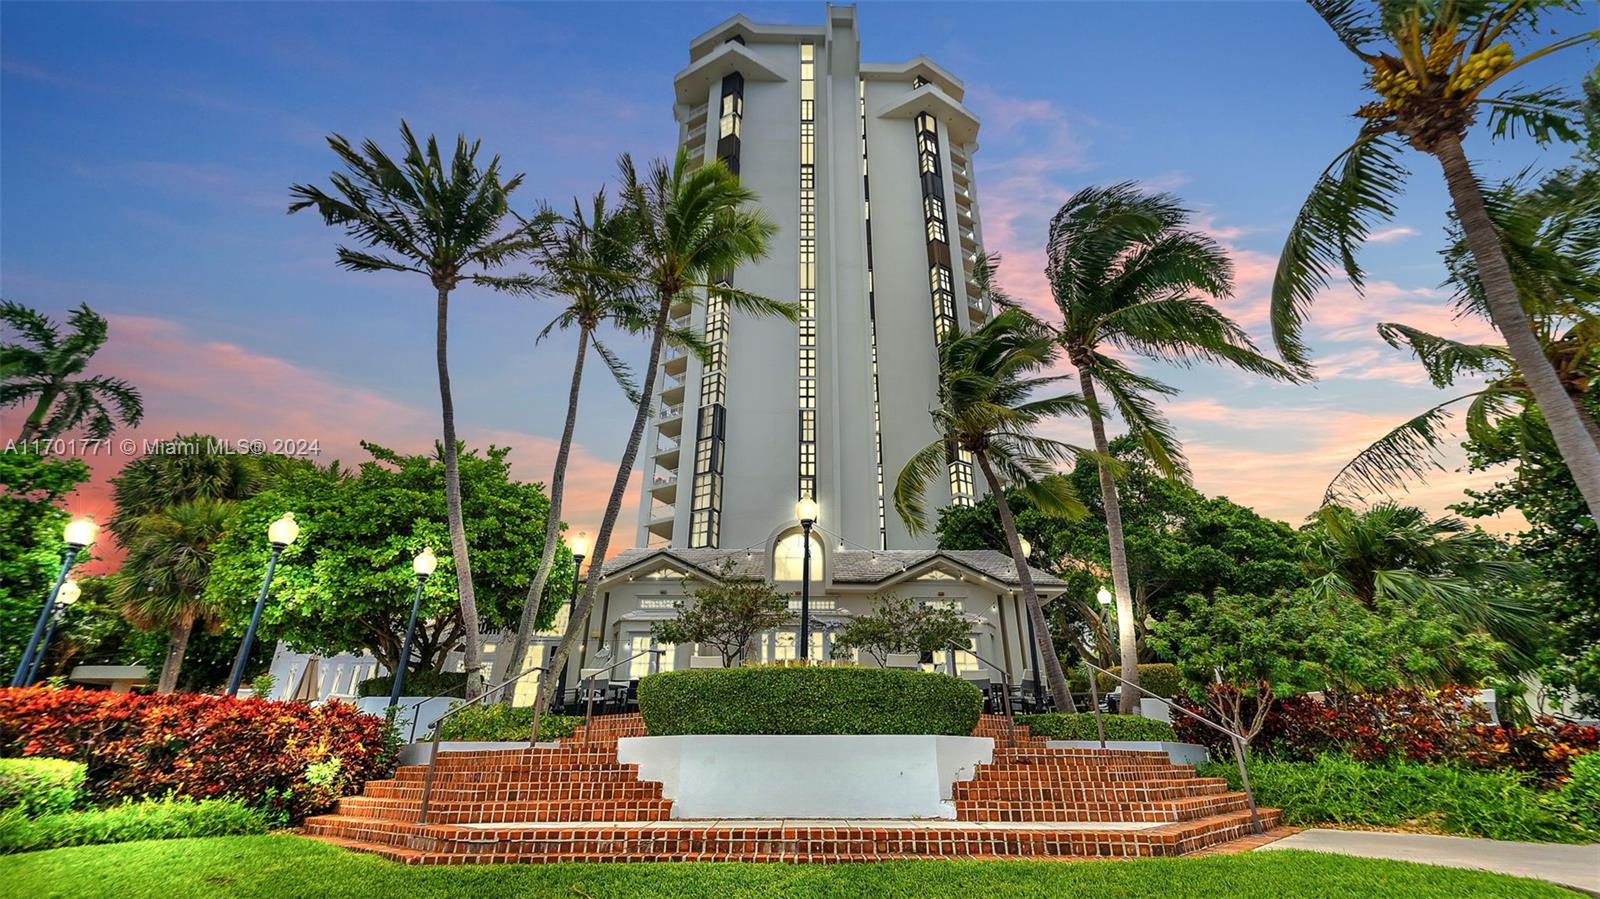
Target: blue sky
x=146 y=151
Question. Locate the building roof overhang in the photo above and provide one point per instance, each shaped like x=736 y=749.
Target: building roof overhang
x=930 y=98
x=742 y=28
x=916 y=65
x=693 y=83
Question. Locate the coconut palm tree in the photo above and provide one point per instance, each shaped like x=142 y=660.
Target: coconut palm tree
x=1130 y=277
x=691 y=224
x=591 y=262
x=43 y=366
x=1551 y=235
x=444 y=219
x=1432 y=66
x=1399 y=554
x=987 y=379
x=193 y=469
x=163 y=579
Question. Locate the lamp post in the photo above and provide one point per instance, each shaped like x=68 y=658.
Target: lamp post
x=1033 y=642
x=1103 y=596
x=422 y=565
x=78 y=534
x=806 y=511
x=280 y=534
x=580 y=548
x=65 y=597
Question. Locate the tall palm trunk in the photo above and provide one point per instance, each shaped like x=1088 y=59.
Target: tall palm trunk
x=577 y=626
x=1126 y=638
x=1030 y=596
x=177 y=643
x=552 y=524
x=452 y=503
x=1577 y=448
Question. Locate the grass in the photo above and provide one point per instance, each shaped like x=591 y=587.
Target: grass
x=281 y=867
x=146 y=819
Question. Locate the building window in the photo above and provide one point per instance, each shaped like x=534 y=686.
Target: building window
x=806 y=362
x=640 y=667
x=788 y=558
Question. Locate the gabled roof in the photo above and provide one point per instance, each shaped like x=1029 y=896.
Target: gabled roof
x=851 y=567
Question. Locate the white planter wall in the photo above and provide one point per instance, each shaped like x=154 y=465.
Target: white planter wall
x=738 y=776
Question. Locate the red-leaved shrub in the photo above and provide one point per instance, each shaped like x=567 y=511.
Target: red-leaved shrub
x=287 y=758
x=1412 y=724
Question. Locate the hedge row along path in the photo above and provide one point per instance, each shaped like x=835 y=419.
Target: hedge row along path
x=577 y=803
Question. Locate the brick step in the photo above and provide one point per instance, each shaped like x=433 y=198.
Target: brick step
x=1024 y=754
x=1163 y=810
x=517 y=773
x=439 y=812
x=522 y=758
x=619 y=787
x=766 y=841
x=1133 y=791
x=1081 y=772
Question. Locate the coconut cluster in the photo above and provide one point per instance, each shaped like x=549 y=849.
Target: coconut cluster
x=1481 y=66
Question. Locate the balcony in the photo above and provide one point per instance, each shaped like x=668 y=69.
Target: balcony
x=669 y=420
x=664 y=487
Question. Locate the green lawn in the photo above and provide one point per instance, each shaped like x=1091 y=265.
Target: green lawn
x=276 y=867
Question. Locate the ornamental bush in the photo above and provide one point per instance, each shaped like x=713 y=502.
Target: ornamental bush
x=1499 y=805
x=496 y=723
x=35 y=787
x=147 y=819
x=288 y=759
x=1160 y=678
x=1080 y=726
x=809 y=700
x=418 y=683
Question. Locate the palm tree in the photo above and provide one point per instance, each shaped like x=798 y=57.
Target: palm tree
x=691 y=224
x=445 y=220
x=1398 y=554
x=1431 y=65
x=591 y=262
x=1128 y=275
x=1552 y=239
x=44 y=366
x=986 y=380
x=192 y=470
x=162 y=582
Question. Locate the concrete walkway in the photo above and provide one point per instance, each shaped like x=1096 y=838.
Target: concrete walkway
x=1577 y=867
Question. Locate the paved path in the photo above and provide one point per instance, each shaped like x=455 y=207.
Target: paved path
x=1571 y=866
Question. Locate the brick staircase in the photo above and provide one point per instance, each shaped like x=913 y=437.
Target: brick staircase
x=577 y=803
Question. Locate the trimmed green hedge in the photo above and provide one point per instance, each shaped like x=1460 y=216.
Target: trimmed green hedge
x=37 y=787
x=148 y=819
x=496 y=723
x=418 y=683
x=807 y=701
x=1336 y=789
x=1054 y=726
x=1160 y=678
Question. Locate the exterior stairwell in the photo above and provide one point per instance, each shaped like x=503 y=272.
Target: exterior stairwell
x=577 y=803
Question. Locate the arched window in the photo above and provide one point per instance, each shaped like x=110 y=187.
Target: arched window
x=788 y=558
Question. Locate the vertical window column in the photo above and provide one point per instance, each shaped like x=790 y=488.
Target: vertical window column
x=807 y=369
x=941 y=287
x=872 y=319
x=711 y=427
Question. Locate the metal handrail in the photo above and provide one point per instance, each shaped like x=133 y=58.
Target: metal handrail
x=1005 y=692
x=438 y=728
x=1239 y=742
x=588 y=712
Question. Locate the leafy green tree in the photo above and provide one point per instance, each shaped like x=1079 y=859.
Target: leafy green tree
x=1399 y=555
x=1179 y=541
x=32 y=487
x=41 y=365
x=987 y=381
x=692 y=226
x=346 y=584
x=444 y=220
x=162 y=582
x=1432 y=66
x=1129 y=276
x=728 y=614
x=903 y=625
x=1560 y=540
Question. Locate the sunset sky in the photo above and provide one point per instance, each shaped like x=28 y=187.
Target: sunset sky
x=146 y=153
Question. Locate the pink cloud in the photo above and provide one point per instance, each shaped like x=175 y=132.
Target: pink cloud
x=1389 y=235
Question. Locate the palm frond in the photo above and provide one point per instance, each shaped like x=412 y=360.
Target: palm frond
x=1410 y=450
x=1444 y=359
x=621 y=372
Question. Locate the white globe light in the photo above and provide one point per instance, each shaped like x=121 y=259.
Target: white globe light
x=806 y=509
x=579 y=544
x=80 y=532
x=1027 y=548
x=425 y=562
x=68 y=594
x=283 y=531
x=1104 y=596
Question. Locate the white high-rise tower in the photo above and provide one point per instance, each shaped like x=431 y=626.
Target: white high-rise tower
x=867 y=171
